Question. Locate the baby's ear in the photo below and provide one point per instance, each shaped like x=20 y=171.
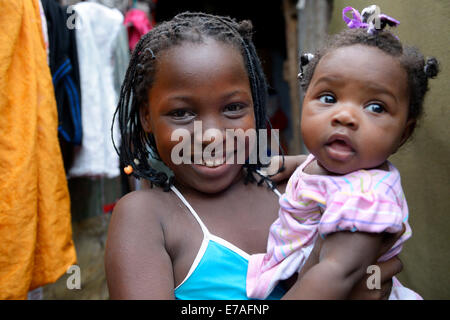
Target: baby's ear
x=144 y=116
x=409 y=128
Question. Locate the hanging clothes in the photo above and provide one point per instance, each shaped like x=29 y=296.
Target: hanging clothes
x=121 y=57
x=66 y=78
x=96 y=36
x=44 y=30
x=122 y=5
x=137 y=24
x=35 y=224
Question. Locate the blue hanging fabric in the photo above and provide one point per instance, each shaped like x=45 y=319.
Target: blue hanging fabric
x=63 y=73
x=64 y=68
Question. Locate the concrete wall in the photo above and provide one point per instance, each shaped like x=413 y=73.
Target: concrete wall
x=424 y=161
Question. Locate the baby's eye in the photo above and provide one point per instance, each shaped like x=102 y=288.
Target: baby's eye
x=327 y=98
x=375 y=108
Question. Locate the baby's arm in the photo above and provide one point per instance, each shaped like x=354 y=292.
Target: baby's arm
x=343 y=261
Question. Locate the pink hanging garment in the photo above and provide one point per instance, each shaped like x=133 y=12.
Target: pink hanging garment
x=137 y=24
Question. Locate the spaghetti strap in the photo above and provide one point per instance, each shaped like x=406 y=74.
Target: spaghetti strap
x=186 y=203
x=200 y=222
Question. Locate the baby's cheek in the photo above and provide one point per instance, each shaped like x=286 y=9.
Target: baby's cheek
x=377 y=150
x=309 y=135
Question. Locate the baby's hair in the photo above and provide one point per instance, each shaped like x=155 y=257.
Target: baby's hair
x=417 y=68
x=191 y=27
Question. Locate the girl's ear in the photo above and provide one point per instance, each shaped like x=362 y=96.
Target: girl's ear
x=144 y=115
x=409 y=128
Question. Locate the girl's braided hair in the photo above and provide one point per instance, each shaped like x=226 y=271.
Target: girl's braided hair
x=419 y=70
x=194 y=27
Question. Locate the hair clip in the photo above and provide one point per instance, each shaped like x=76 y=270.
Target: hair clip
x=151 y=52
x=304 y=60
x=431 y=67
x=370 y=18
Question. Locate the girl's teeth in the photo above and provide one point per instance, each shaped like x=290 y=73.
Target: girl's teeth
x=212 y=162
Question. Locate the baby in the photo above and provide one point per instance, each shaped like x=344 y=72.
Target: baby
x=364 y=94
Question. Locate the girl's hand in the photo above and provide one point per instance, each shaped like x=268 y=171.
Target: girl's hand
x=290 y=164
x=388 y=269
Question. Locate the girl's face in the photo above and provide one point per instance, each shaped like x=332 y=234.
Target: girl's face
x=204 y=82
x=355 y=111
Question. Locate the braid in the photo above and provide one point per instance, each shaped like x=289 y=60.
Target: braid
x=136 y=144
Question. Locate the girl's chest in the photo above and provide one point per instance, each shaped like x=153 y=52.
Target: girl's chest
x=243 y=222
x=243 y=219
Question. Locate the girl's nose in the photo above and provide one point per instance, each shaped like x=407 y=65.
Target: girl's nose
x=207 y=131
x=345 y=116
x=212 y=134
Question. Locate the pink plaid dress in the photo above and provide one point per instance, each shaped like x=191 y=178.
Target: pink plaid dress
x=365 y=201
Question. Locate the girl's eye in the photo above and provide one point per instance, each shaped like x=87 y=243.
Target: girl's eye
x=181 y=114
x=233 y=109
x=375 y=108
x=327 y=98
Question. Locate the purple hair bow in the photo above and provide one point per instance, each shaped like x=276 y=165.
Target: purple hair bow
x=368 y=19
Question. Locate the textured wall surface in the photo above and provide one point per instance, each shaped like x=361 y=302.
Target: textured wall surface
x=424 y=160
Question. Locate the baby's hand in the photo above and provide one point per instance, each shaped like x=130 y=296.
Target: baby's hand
x=290 y=164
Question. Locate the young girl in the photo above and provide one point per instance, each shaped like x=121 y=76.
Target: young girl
x=193 y=241
x=364 y=94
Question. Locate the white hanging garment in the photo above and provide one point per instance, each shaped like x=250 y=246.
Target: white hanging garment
x=97 y=27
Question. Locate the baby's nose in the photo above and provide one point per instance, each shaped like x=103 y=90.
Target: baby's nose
x=345 y=116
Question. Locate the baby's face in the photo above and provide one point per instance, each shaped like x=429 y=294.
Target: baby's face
x=355 y=111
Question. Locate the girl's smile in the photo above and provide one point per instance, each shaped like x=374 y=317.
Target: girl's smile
x=202 y=81
x=355 y=111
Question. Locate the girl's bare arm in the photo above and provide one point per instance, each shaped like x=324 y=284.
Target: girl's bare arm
x=136 y=262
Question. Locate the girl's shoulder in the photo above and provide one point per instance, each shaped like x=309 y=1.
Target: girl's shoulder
x=140 y=217
x=143 y=204
x=136 y=255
